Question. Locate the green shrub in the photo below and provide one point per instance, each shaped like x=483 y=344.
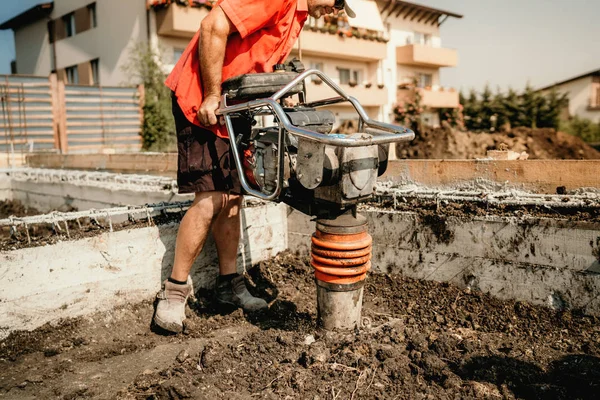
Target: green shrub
x=583 y=128
x=158 y=130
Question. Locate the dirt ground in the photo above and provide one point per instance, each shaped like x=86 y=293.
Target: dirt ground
x=538 y=143
x=420 y=340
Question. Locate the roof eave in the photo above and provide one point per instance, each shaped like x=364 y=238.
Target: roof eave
x=27 y=17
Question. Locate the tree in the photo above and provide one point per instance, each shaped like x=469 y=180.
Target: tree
x=158 y=130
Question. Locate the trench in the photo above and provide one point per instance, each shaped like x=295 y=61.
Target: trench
x=461 y=284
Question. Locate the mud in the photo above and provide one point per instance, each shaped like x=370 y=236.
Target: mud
x=435 y=212
x=419 y=340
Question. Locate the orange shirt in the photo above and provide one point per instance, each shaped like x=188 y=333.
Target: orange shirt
x=267 y=30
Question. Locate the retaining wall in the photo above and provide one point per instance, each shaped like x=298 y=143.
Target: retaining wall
x=72 y=278
x=552 y=262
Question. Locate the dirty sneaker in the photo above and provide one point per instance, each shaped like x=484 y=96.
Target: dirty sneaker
x=170 y=310
x=233 y=292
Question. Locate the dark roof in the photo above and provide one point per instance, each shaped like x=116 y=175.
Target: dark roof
x=592 y=73
x=423 y=13
x=26 y=17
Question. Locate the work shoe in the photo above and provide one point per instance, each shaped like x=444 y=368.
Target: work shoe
x=233 y=292
x=170 y=310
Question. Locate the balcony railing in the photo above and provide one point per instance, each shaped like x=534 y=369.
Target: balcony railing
x=373 y=96
x=180 y=21
x=426 y=56
x=446 y=98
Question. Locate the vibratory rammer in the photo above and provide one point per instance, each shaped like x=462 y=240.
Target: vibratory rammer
x=288 y=154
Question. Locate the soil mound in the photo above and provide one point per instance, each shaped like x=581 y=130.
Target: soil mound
x=538 y=143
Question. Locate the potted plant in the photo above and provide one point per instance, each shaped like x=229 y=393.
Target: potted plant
x=368 y=85
x=380 y=85
x=352 y=83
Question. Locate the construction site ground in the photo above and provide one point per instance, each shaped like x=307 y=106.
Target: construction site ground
x=419 y=340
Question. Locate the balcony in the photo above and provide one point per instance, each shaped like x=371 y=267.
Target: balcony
x=324 y=44
x=368 y=97
x=179 y=21
x=431 y=98
x=426 y=56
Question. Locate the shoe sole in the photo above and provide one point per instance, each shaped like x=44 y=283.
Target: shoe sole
x=168 y=326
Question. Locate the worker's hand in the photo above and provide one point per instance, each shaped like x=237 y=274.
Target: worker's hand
x=206 y=112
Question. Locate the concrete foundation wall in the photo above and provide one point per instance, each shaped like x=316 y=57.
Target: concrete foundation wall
x=73 y=278
x=541 y=261
x=47 y=196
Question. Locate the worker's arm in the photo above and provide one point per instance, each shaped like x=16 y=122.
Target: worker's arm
x=214 y=31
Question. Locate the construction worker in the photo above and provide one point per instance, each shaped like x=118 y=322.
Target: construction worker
x=237 y=37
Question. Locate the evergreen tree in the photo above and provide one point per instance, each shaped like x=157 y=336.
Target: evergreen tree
x=158 y=130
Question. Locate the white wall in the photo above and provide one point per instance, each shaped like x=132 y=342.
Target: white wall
x=33 y=54
x=399 y=31
x=579 y=92
x=120 y=24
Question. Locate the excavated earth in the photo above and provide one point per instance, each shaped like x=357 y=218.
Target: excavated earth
x=419 y=340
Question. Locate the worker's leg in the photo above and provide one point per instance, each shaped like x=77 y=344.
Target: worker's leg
x=231 y=287
x=193 y=232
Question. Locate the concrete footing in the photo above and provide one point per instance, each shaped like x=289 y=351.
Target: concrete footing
x=551 y=262
x=73 y=278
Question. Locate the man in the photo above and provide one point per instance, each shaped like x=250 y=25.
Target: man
x=236 y=37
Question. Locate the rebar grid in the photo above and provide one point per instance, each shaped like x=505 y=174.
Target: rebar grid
x=133 y=182
x=496 y=198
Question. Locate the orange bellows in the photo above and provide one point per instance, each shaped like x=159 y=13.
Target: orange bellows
x=341 y=259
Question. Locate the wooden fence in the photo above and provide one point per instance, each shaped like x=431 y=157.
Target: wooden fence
x=44 y=114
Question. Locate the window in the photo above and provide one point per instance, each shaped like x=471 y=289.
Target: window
x=424 y=80
x=72 y=76
x=344 y=75
x=317 y=66
x=92 y=11
x=420 y=38
x=349 y=76
x=177 y=53
x=95 y=64
x=69 y=22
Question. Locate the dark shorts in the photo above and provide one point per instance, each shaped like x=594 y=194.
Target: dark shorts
x=205 y=162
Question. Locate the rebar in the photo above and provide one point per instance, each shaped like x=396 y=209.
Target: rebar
x=133 y=182
x=55 y=217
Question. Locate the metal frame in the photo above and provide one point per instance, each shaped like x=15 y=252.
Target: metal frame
x=383 y=133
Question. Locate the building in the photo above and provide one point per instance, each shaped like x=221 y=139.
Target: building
x=375 y=57
x=583 y=92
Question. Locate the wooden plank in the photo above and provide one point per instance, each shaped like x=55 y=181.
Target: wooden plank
x=132 y=94
x=92 y=108
x=100 y=131
x=102 y=100
x=12 y=84
x=39 y=108
x=25 y=141
x=26 y=91
x=99 y=147
x=33 y=125
x=36 y=100
x=106 y=123
x=105 y=115
x=537 y=175
x=63 y=143
x=55 y=109
x=107 y=139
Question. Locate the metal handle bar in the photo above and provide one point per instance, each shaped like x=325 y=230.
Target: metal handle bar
x=396 y=133
x=383 y=133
